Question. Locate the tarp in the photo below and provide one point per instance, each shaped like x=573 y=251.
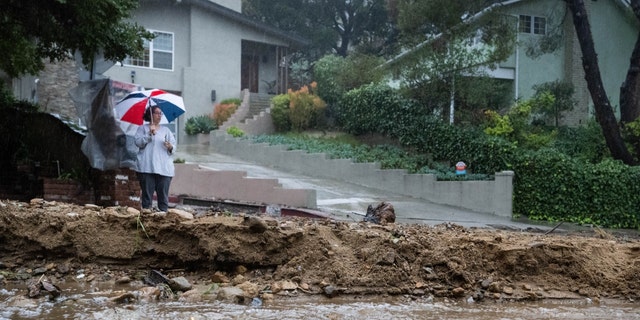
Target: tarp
x=106 y=145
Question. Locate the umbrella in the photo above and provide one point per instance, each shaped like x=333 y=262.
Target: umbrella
x=132 y=106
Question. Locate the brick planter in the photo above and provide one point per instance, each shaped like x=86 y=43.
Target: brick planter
x=118 y=188
x=66 y=191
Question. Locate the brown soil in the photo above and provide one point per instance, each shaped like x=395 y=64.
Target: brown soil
x=318 y=256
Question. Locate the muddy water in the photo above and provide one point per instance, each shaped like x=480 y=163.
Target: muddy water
x=78 y=303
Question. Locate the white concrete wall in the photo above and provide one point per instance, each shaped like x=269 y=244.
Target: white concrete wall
x=494 y=197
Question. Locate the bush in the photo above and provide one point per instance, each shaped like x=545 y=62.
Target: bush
x=377 y=108
x=297 y=110
x=223 y=110
x=235 y=132
x=305 y=108
x=199 y=124
x=280 y=112
x=552 y=186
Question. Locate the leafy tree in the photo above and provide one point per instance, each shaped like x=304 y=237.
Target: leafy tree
x=33 y=30
x=563 y=100
x=460 y=37
x=333 y=26
x=336 y=75
x=629 y=93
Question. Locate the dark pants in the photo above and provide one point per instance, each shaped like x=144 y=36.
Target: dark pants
x=150 y=182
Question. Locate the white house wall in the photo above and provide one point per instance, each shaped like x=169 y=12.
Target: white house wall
x=207 y=55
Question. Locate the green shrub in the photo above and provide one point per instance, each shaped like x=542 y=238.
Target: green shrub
x=552 y=186
x=585 y=142
x=280 y=112
x=377 y=108
x=235 y=132
x=199 y=124
x=236 y=101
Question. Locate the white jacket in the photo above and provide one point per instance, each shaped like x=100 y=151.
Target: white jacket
x=153 y=157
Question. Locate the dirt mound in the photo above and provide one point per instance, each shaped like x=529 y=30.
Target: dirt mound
x=349 y=258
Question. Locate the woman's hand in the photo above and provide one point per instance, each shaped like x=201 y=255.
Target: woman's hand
x=152 y=130
x=168 y=145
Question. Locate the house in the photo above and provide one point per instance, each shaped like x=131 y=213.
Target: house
x=614 y=29
x=204 y=51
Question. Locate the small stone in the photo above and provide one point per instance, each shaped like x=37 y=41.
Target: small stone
x=232 y=294
x=330 y=291
x=255 y=224
x=123 y=280
x=39 y=271
x=507 y=290
x=180 y=284
x=240 y=269
x=458 y=292
x=219 y=277
x=180 y=214
x=124 y=298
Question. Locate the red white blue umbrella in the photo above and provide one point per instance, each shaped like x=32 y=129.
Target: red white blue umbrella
x=132 y=106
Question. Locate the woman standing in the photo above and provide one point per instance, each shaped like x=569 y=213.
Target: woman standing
x=155 y=164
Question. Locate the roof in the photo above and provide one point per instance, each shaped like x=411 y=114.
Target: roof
x=295 y=40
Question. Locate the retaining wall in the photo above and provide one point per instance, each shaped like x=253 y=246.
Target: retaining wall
x=191 y=180
x=494 y=197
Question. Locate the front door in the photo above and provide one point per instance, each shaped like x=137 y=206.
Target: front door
x=249 y=70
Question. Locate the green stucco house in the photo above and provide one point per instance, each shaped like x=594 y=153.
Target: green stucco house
x=549 y=22
x=614 y=29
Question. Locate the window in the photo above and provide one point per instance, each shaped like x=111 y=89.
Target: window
x=531 y=24
x=158 y=53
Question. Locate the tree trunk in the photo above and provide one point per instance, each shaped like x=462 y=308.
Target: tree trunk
x=604 y=113
x=630 y=90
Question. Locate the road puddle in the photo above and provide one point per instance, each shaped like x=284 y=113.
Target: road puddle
x=80 y=302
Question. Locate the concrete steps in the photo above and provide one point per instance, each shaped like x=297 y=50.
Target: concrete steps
x=194 y=181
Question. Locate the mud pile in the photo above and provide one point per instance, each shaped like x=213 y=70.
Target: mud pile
x=315 y=256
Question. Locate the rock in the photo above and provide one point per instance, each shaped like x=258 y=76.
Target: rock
x=92 y=207
x=36 y=288
x=330 y=291
x=133 y=211
x=382 y=213
x=458 y=292
x=149 y=293
x=250 y=289
x=507 y=290
x=36 y=202
x=238 y=279
x=288 y=285
x=180 y=214
x=39 y=271
x=255 y=224
x=155 y=277
x=64 y=268
x=123 y=280
x=219 y=277
x=267 y=297
x=180 y=284
x=231 y=294
x=495 y=287
x=240 y=269
x=486 y=283
x=124 y=298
